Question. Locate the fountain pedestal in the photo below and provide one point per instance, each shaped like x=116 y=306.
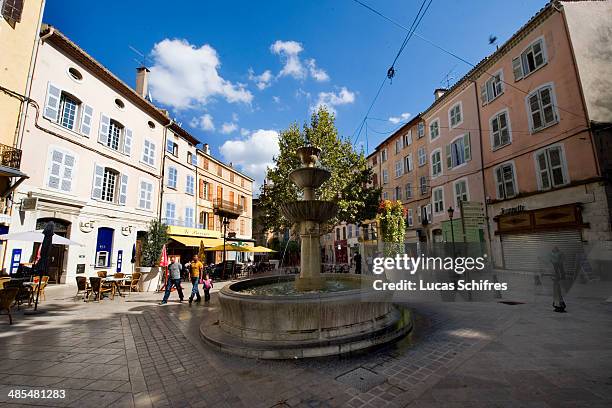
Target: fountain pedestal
x=310 y=264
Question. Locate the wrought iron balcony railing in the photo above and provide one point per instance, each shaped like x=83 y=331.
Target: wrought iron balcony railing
x=227 y=209
x=10 y=156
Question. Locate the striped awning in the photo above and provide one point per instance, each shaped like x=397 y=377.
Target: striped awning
x=195 y=241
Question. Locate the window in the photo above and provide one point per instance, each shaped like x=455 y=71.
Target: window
x=550 y=167
x=145 y=198
x=350 y=231
x=461 y=192
x=409 y=218
x=492 y=88
x=532 y=59
x=421 y=129
x=408 y=190
x=419 y=214
x=397 y=193
x=114 y=135
x=458 y=152
x=148 y=153
x=337 y=234
x=408 y=163
x=374 y=160
x=172 y=177
x=423 y=185
x=438 y=200
x=189 y=157
x=61 y=170
x=500 y=130
x=454 y=115
x=434 y=129
x=383 y=156
x=219 y=171
x=385 y=195
x=408 y=138
x=189 y=217
x=69 y=109
x=343 y=232
x=436 y=163
x=398 y=145
x=399 y=169
x=119 y=103
x=541 y=108
x=506 y=183
x=190 y=185
x=170 y=213
x=172 y=147
x=422 y=156
x=109 y=185
x=385 y=176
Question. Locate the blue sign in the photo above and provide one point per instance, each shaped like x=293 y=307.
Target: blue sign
x=15 y=260
x=119 y=259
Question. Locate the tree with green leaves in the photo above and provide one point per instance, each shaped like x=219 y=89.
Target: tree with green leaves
x=348 y=185
x=157 y=236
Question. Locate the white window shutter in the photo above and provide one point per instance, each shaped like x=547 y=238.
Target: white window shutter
x=52 y=103
x=517 y=68
x=143 y=195
x=149 y=195
x=467 y=147
x=123 y=189
x=449 y=158
x=55 y=167
x=67 y=173
x=104 y=126
x=86 y=120
x=96 y=192
x=152 y=153
x=127 y=142
x=483 y=94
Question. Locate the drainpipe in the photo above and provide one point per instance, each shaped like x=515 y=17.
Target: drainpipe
x=482 y=171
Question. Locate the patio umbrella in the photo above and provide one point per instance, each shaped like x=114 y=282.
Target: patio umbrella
x=201 y=254
x=261 y=249
x=229 y=247
x=37 y=236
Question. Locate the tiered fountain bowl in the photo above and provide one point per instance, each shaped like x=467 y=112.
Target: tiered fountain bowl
x=313 y=314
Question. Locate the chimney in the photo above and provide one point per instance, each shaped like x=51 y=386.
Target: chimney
x=206 y=149
x=142 y=81
x=439 y=92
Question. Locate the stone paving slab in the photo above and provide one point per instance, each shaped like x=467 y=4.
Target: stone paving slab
x=133 y=353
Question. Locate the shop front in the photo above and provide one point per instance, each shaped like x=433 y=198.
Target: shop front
x=185 y=243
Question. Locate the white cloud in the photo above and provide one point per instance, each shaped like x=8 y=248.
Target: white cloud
x=186 y=76
x=276 y=99
x=263 y=80
x=289 y=52
x=228 y=128
x=204 y=122
x=317 y=73
x=332 y=99
x=252 y=154
x=244 y=132
x=398 y=119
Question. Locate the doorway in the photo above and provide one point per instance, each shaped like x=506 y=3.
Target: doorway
x=56 y=267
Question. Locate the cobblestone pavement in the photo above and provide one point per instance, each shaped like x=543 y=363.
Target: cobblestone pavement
x=130 y=352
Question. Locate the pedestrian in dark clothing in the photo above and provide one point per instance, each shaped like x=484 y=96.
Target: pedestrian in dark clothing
x=174 y=279
x=357 y=260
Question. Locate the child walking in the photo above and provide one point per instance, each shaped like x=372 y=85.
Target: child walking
x=208 y=284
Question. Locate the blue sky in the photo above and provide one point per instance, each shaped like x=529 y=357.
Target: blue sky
x=236 y=73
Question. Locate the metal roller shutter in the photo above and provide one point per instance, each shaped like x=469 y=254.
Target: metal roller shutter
x=530 y=252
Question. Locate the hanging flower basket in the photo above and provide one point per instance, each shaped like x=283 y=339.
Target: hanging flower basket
x=391 y=218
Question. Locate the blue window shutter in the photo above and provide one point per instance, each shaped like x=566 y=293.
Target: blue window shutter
x=52 y=103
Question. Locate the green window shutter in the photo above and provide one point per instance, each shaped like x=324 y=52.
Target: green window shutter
x=466 y=146
x=449 y=159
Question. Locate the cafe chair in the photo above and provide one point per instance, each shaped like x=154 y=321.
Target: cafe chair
x=3 y=281
x=102 y=274
x=7 y=297
x=98 y=289
x=132 y=285
x=82 y=288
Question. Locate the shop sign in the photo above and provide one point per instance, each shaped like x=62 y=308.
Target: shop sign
x=87 y=226
x=563 y=216
x=127 y=230
x=472 y=214
x=193 y=232
x=29 y=204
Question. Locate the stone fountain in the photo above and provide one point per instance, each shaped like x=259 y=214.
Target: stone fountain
x=313 y=314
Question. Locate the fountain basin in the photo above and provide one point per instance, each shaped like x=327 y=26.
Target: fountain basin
x=312 y=210
x=303 y=324
x=312 y=177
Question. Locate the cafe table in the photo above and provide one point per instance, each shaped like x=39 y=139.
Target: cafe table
x=116 y=283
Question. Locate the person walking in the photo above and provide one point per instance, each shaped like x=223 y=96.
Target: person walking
x=357 y=260
x=196 y=268
x=174 y=279
x=556 y=258
x=208 y=284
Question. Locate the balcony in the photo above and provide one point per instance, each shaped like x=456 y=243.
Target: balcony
x=227 y=209
x=10 y=157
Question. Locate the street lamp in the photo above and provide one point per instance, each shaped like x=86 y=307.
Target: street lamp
x=450 y=212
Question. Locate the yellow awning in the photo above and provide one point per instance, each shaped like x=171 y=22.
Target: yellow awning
x=195 y=241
